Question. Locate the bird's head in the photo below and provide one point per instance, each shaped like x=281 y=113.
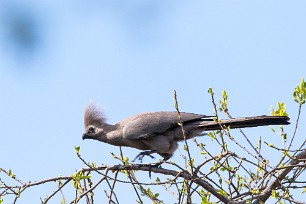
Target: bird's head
x=94 y=122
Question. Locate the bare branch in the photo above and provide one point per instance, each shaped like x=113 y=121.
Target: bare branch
x=262 y=197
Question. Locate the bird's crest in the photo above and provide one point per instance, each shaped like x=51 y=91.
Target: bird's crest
x=93 y=115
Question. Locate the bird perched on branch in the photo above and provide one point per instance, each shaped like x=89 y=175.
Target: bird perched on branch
x=160 y=132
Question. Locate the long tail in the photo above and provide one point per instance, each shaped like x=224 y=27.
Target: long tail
x=246 y=122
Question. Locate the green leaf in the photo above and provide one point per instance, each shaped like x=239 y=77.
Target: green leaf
x=255 y=191
x=222 y=192
x=10 y=173
x=204 y=200
x=202 y=145
x=224 y=95
x=304 y=191
x=275 y=194
x=77 y=177
x=272 y=129
x=126 y=160
x=212 y=135
x=299 y=94
x=77 y=149
x=213 y=168
x=150 y=193
x=223 y=101
x=280 y=111
x=191 y=162
x=210 y=91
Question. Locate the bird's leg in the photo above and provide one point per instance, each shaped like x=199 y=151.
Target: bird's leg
x=140 y=156
x=158 y=164
x=144 y=153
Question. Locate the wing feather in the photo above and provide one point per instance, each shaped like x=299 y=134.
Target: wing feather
x=146 y=125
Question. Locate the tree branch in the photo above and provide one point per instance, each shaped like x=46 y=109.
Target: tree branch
x=262 y=197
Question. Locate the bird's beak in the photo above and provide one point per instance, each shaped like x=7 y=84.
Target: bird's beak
x=84 y=136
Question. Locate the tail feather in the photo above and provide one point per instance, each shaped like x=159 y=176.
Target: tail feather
x=246 y=122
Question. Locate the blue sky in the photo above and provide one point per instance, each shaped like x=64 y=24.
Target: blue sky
x=129 y=56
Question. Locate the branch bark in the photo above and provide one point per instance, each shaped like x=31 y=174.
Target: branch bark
x=263 y=197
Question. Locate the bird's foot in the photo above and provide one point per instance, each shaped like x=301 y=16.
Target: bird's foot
x=154 y=165
x=141 y=155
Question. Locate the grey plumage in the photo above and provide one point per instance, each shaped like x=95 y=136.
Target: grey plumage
x=159 y=132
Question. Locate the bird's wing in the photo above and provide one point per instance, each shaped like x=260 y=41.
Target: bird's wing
x=146 y=125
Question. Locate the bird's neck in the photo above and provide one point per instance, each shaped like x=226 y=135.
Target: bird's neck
x=111 y=135
x=114 y=135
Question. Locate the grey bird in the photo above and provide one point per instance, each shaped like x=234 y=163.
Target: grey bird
x=160 y=132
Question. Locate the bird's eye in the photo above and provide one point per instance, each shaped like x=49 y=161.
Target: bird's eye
x=91 y=129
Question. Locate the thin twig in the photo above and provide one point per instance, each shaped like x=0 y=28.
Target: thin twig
x=113 y=187
x=183 y=132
